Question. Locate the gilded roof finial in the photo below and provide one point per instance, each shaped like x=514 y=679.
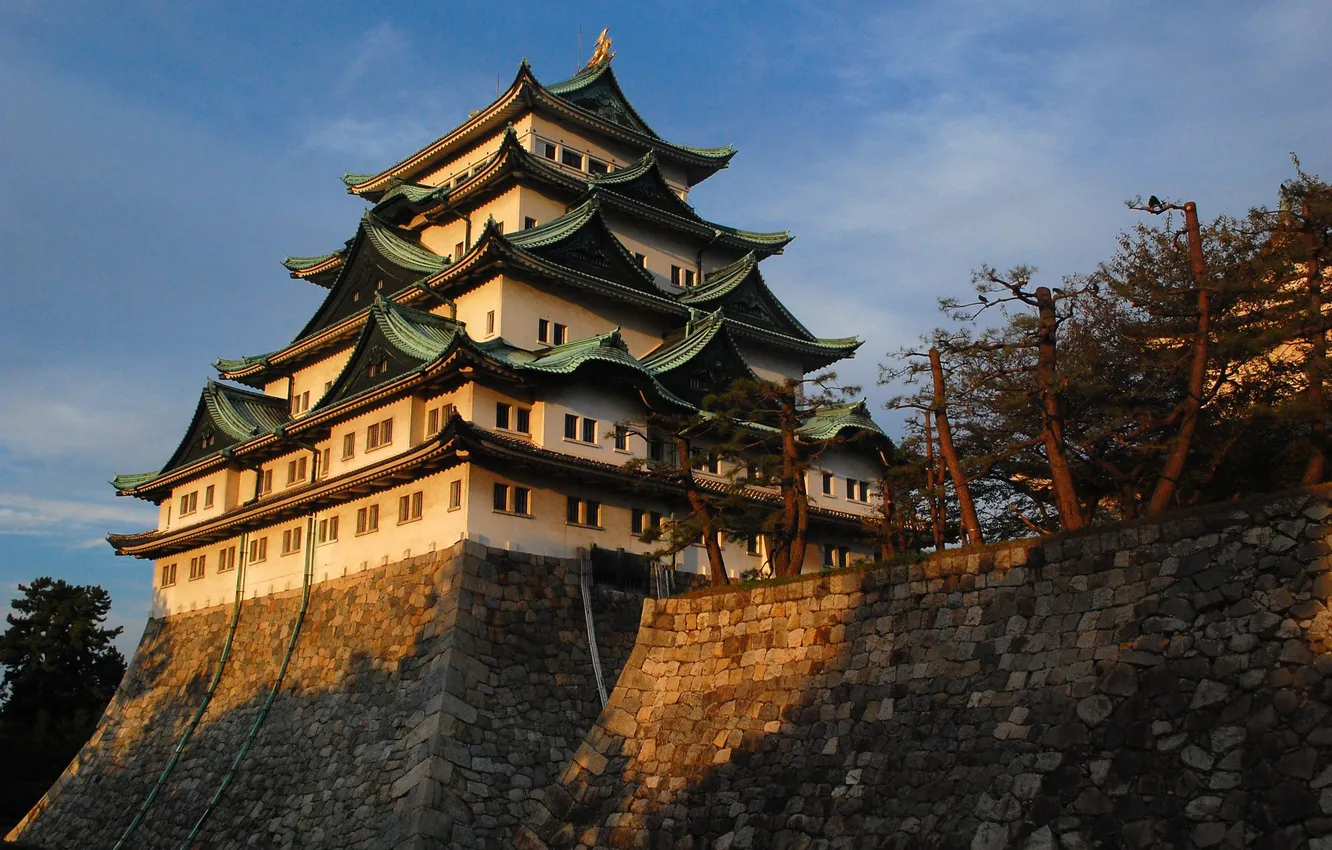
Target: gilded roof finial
x=601 y=52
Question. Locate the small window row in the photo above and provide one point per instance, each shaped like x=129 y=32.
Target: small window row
x=552 y=333
x=570 y=158
x=856 y=490
x=189 y=502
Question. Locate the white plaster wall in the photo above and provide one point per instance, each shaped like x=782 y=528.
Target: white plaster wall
x=316 y=375
x=225 y=483
x=585 y=315
x=591 y=402
x=770 y=364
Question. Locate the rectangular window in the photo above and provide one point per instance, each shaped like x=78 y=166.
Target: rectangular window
x=675 y=275
x=409 y=507
x=502 y=415
x=189 y=503
x=829 y=555
x=570 y=430
x=226 y=559
x=641 y=520
x=197 y=567
x=688 y=277
x=432 y=421
x=265 y=482
x=710 y=465
x=300 y=402
x=455 y=494
x=546 y=149
x=857 y=491
x=490 y=322
x=596 y=166
x=458 y=251
x=589 y=430
x=543 y=330
x=296 y=470
x=259 y=550
x=522 y=420
x=864 y=491
x=573 y=159
x=324 y=463
x=168 y=575
x=662 y=451
x=583 y=512
x=511 y=499
x=291 y=540
x=529 y=222
x=367 y=519
x=641 y=259
x=827 y=484
x=751 y=544
x=328 y=530
x=851 y=488
x=379 y=434
x=559 y=334
x=621 y=438
x=208 y=495
x=348 y=445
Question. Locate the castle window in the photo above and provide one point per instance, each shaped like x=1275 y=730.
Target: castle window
x=751 y=544
x=621 y=438
x=258 y=550
x=291 y=540
x=641 y=259
x=828 y=484
x=675 y=275
x=168 y=575
x=857 y=491
x=301 y=402
x=584 y=512
x=226 y=559
x=207 y=440
x=709 y=464
x=641 y=520
x=437 y=418
x=197 y=567
x=324 y=463
x=596 y=166
x=296 y=470
x=367 y=520
x=409 y=507
x=509 y=417
x=512 y=499
x=328 y=530
x=573 y=159
x=546 y=149
x=265 y=482
x=688 y=277
x=208 y=495
x=458 y=252
x=529 y=222
x=543 y=330
x=189 y=503
x=834 y=557
x=490 y=322
x=379 y=434
x=661 y=450
x=580 y=429
x=374 y=370
x=348 y=445
x=553 y=333
x=455 y=494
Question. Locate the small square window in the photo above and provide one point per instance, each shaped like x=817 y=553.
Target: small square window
x=529 y=222
x=559 y=334
x=259 y=550
x=596 y=166
x=328 y=530
x=573 y=159
x=168 y=575
x=641 y=259
x=547 y=150
x=367 y=519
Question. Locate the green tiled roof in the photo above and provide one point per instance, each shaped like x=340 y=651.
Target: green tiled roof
x=418 y=334
x=300 y=264
x=223 y=364
x=829 y=423
x=131 y=480
x=353 y=179
x=399 y=251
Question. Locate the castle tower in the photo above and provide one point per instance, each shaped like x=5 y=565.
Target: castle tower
x=515 y=289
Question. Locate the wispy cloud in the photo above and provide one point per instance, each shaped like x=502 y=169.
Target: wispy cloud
x=23 y=513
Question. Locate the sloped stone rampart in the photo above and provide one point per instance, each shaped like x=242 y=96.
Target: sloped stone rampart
x=1160 y=684
x=424 y=701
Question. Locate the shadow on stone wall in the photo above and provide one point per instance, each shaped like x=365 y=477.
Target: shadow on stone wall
x=1154 y=685
x=423 y=703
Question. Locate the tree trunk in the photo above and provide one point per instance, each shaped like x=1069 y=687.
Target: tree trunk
x=1315 y=365
x=970 y=522
x=934 y=487
x=702 y=508
x=794 y=500
x=1167 y=486
x=1052 y=413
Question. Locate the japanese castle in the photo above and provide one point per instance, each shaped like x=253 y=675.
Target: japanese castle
x=517 y=295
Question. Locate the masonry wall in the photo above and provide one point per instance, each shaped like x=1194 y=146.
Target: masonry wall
x=1152 y=685
x=422 y=703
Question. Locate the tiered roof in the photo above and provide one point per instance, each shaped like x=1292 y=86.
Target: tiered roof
x=592 y=100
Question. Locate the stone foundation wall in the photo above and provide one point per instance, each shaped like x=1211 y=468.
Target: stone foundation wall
x=1153 y=685
x=422 y=703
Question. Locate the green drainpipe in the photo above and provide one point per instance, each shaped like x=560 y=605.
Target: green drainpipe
x=272 y=694
x=203 y=705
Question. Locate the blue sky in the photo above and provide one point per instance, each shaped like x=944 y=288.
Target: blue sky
x=157 y=160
